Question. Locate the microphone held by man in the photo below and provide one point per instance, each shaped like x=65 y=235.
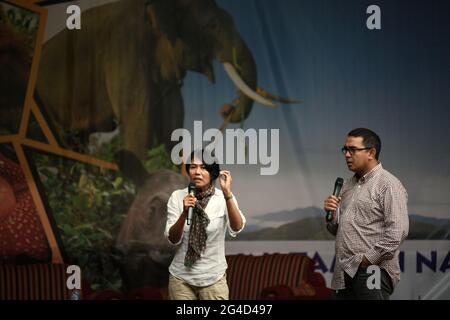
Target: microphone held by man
x=332 y=202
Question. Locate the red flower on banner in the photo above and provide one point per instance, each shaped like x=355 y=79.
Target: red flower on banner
x=21 y=231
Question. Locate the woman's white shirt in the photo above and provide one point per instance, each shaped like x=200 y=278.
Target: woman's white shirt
x=211 y=265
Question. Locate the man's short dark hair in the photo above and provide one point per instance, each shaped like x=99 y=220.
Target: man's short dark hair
x=370 y=139
x=212 y=168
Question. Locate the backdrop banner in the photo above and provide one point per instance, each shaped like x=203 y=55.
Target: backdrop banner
x=100 y=100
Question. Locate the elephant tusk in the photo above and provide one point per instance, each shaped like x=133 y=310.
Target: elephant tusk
x=274 y=97
x=241 y=85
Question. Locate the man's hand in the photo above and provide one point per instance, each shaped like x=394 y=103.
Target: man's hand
x=331 y=204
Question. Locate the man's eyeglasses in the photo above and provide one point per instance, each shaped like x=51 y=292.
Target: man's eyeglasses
x=353 y=150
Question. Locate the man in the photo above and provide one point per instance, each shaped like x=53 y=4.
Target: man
x=370 y=221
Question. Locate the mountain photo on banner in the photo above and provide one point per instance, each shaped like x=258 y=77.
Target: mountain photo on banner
x=308 y=224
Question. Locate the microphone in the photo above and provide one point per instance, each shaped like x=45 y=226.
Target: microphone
x=191 y=190
x=337 y=190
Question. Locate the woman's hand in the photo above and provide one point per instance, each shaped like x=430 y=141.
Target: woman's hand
x=225 y=182
x=234 y=216
x=189 y=201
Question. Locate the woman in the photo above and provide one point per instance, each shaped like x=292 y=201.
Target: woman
x=198 y=268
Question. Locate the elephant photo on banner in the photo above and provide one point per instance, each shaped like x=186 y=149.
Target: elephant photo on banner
x=123 y=72
x=126 y=65
x=18 y=28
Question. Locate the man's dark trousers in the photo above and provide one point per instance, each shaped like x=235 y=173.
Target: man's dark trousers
x=356 y=288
